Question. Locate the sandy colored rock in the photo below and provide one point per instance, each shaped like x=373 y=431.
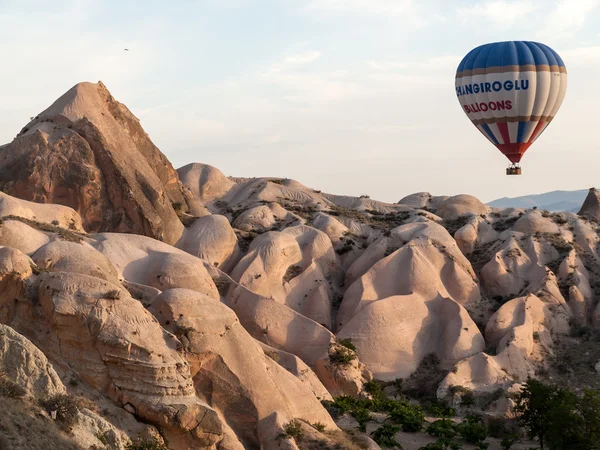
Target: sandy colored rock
x=73 y=257
x=265 y=217
x=585 y=235
x=212 y=239
x=245 y=389
x=392 y=335
x=481 y=373
x=591 y=205
x=299 y=369
x=437 y=267
x=581 y=297
x=24 y=364
x=91 y=427
x=85 y=138
x=477 y=232
x=364 y=203
x=535 y=222
x=342 y=378
x=141 y=292
x=522 y=332
x=205 y=182
x=58 y=215
x=279 y=326
x=15 y=269
x=117 y=347
x=418 y=200
x=19 y=235
x=330 y=226
x=297 y=267
x=519 y=262
x=459 y=205
x=148 y=262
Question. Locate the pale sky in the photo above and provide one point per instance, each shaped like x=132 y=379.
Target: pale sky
x=347 y=96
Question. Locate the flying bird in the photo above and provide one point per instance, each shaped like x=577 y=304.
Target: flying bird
x=126 y=49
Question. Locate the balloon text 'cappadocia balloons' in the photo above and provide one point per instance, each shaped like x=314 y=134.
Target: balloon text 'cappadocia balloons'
x=511 y=91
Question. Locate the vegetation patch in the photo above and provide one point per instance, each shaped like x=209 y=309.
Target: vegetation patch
x=456 y=224
x=384 y=436
x=439 y=408
x=409 y=417
x=273 y=355
x=341 y=356
x=450 y=434
x=291 y=273
x=556 y=240
x=480 y=256
x=24 y=426
x=375 y=219
x=423 y=383
x=347 y=343
x=65 y=408
x=222 y=283
x=245 y=238
x=64 y=234
x=505 y=224
x=9 y=388
x=292 y=430
x=466 y=395
x=575 y=357
x=146 y=444
x=346 y=248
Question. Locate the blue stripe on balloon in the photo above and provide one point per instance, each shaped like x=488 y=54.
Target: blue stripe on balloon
x=489 y=132
x=561 y=63
x=524 y=54
x=538 y=54
x=467 y=58
x=509 y=53
x=521 y=131
x=482 y=59
x=495 y=56
x=470 y=59
x=549 y=54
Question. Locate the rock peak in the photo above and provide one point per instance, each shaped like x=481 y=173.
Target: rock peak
x=591 y=205
x=99 y=161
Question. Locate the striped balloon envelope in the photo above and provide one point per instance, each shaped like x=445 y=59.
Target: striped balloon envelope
x=511 y=91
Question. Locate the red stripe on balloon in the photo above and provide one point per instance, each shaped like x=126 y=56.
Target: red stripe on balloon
x=514 y=152
x=538 y=129
x=503 y=127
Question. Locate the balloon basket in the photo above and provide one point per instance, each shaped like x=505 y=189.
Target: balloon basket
x=513 y=169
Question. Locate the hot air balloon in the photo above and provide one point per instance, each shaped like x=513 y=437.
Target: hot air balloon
x=511 y=91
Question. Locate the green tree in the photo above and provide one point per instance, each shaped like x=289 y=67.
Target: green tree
x=533 y=405
x=558 y=417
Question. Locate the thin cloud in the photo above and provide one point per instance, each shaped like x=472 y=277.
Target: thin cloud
x=432 y=64
x=412 y=14
x=568 y=17
x=499 y=12
x=303 y=58
x=359 y=7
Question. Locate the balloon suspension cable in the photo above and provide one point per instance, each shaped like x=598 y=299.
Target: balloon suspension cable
x=513 y=169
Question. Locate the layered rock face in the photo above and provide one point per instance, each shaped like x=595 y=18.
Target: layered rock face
x=89 y=152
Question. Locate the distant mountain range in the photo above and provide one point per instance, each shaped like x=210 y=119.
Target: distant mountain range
x=551 y=201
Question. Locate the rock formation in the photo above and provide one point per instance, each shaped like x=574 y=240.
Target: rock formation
x=591 y=205
x=218 y=312
x=89 y=152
